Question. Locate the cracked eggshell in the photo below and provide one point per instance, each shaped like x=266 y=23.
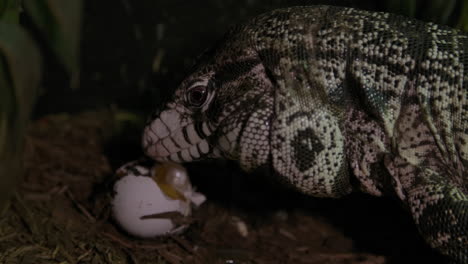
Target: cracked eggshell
x=138 y=195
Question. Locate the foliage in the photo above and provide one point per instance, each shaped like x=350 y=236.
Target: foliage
x=58 y=22
x=446 y=12
x=463 y=21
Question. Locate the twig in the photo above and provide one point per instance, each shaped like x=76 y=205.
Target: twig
x=122 y=242
x=80 y=207
x=183 y=243
x=84 y=255
x=169 y=257
x=9 y=236
x=127 y=244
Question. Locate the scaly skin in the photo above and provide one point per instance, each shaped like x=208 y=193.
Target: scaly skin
x=323 y=94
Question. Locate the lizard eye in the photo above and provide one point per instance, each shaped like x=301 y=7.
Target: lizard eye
x=196 y=96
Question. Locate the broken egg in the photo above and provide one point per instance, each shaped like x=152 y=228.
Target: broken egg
x=153 y=199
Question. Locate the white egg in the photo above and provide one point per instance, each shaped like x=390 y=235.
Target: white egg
x=138 y=198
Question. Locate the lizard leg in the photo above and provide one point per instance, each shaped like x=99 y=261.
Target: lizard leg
x=441 y=214
x=439 y=209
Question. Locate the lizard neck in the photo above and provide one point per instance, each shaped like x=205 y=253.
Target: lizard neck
x=245 y=136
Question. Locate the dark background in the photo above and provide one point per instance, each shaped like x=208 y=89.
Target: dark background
x=121 y=40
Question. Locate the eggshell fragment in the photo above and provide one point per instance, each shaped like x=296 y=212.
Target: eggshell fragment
x=140 y=197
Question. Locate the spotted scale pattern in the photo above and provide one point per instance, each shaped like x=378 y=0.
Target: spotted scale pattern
x=327 y=96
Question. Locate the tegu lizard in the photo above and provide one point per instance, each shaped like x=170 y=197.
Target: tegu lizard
x=333 y=100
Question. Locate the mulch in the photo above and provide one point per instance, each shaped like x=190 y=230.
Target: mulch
x=61 y=212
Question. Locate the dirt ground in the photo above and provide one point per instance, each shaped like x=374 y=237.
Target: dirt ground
x=61 y=213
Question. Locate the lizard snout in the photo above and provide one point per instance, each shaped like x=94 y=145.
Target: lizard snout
x=168 y=137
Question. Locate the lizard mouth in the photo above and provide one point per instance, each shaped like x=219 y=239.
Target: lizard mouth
x=166 y=138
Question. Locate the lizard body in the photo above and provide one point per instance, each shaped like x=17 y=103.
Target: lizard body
x=329 y=96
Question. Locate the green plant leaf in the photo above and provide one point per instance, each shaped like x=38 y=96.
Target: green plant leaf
x=463 y=20
x=404 y=7
x=20 y=66
x=9 y=10
x=60 y=23
x=24 y=65
x=439 y=11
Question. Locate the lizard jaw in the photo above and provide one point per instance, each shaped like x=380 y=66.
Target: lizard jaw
x=166 y=138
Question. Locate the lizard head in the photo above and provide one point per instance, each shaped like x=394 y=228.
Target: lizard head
x=226 y=99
